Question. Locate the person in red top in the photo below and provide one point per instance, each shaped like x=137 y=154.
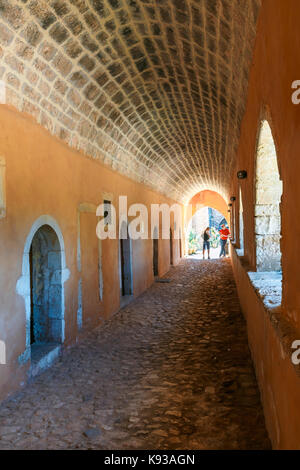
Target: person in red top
x=224 y=234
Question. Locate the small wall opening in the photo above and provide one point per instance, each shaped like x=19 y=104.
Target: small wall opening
x=268 y=188
x=155 y=252
x=233 y=224
x=126 y=265
x=45 y=287
x=241 y=223
x=171 y=248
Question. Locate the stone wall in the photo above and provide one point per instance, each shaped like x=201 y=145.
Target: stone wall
x=216 y=219
x=200 y=221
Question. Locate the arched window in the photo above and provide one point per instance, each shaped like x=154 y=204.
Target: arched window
x=268 y=189
x=241 y=222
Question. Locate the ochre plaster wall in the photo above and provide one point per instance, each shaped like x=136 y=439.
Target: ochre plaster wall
x=45 y=177
x=278 y=378
x=276 y=64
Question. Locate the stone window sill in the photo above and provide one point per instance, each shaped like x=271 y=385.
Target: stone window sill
x=268 y=286
x=240 y=252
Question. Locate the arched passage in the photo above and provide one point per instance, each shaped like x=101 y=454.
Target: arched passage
x=268 y=187
x=46 y=234
x=203 y=218
x=201 y=203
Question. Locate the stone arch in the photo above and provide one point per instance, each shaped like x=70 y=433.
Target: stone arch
x=23 y=287
x=201 y=200
x=208 y=198
x=135 y=147
x=268 y=192
x=201 y=219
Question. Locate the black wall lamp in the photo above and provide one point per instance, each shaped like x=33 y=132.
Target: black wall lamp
x=242 y=174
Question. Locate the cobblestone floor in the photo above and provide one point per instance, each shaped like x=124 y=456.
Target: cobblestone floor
x=172 y=370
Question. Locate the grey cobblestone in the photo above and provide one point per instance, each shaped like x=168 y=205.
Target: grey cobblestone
x=172 y=370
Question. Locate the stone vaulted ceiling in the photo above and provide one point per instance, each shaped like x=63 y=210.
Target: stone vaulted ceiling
x=154 y=88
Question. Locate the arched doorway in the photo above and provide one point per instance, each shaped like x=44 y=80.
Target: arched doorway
x=45 y=287
x=37 y=348
x=268 y=188
x=171 y=248
x=204 y=200
x=203 y=218
x=155 y=252
x=126 y=264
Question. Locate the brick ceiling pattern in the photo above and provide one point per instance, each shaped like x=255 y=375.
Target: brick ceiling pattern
x=154 y=88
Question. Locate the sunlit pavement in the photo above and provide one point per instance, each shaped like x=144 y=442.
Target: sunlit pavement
x=214 y=254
